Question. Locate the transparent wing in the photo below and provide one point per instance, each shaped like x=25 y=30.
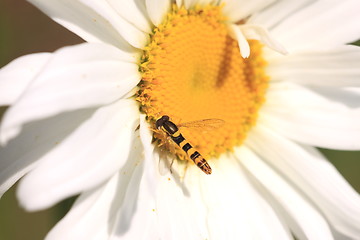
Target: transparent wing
x=206 y=124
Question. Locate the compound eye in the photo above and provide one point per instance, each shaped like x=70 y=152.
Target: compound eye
x=160 y=122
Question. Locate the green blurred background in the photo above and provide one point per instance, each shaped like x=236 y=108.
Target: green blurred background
x=24 y=30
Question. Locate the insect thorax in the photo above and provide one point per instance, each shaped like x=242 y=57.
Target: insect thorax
x=169 y=127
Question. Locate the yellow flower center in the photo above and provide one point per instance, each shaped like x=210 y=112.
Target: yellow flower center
x=192 y=70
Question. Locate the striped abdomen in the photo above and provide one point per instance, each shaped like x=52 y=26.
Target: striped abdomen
x=191 y=152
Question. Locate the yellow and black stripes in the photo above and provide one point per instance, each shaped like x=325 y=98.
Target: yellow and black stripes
x=172 y=130
x=177 y=137
x=191 y=152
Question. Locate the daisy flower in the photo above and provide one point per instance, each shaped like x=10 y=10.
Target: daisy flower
x=245 y=89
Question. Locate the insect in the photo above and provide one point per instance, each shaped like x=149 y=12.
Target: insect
x=172 y=130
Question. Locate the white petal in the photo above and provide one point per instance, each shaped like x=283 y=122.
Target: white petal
x=121 y=208
x=180 y=203
x=236 y=10
x=179 y=2
x=308 y=117
x=16 y=76
x=37 y=138
x=215 y=206
x=277 y=12
x=88 y=217
x=157 y=10
x=131 y=33
x=323 y=24
x=339 y=67
x=95 y=21
x=237 y=34
x=89 y=156
x=190 y=3
x=146 y=137
x=313 y=175
x=83 y=21
x=133 y=11
x=76 y=77
x=350 y=97
x=204 y=2
x=257 y=32
x=355 y=90
x=137 y=209
x=109 y=212
x=310 y=221
x=235 y=210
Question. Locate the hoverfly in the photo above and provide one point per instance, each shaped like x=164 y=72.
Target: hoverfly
x=171 y=129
